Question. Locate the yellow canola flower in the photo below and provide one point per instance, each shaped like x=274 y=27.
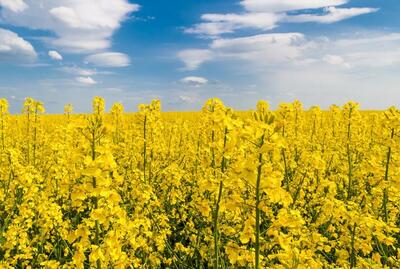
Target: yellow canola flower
x=264 y=188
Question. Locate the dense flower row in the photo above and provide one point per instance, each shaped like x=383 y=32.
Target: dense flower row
x=214 y=189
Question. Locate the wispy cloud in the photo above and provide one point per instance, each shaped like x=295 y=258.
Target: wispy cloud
x=194 y=81
x=193 y=58
x=108 y=59
x=55 y=55
x=79 y=71
x=265 y=48
x=288 y=5
x=217 y=24
x=330 y=15
x=266 y=53
x=266 y=15
x=335 y=60
x=86 y=80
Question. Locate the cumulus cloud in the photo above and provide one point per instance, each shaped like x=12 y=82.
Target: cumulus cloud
x=79 y=26
x=331 y=15
x=108 y=59
x=194 y=81
x=14 y=5
x=15 y=48
x=55 y=55
x=86 y=80
x=193 y=58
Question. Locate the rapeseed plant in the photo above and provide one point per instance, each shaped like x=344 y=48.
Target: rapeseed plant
x=290 y=188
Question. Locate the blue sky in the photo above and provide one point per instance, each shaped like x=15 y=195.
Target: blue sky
x=184 y=52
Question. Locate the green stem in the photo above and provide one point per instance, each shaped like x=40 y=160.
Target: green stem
x=217 y=205
x=258 y=198
x=385 y=192
x=286 y=176
x=94 y=184
x=216 y=211
x=215 y=224
x=353 y=260
x=28 y=134
x=144 y=148
x=2 y=130
x=35 y=136
x=212 y=151
x=223 y=161
x=349 y=162
x=350 y=173
x=93 y=144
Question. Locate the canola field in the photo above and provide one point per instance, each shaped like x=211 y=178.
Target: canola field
x=289 y=188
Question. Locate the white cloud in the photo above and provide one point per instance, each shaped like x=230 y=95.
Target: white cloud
x=335 y=60
x=15 y=48
x=193 y=58
x=194 y=81
x=210 y=29
x=79 y=71
x=331 y=15
x=324 y=85
x=108 y=59
x=259 y=53
x=217 y=24
x=288 y=5
x=14 y=5
x=361 y=66
x=264 y=48
x=188 y=99
x=55 y=55
x=369 y=50
x=264 y=15
x=86 y=80
x=276 y=46
x=369 y=39
x=90 y=15
x=79 y=26
x=374 y=58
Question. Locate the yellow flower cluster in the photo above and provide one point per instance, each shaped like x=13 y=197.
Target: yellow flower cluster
x=289 y=188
